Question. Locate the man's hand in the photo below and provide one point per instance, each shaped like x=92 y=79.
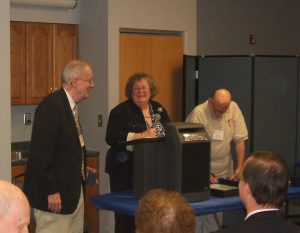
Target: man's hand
x=54 y=203
x=213 y=178
x=89 y=171
x=236 y=174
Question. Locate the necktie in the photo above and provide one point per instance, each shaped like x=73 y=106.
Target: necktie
x=76 y=117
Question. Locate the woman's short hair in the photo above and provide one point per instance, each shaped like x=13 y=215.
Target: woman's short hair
x=139 y=76
x=165 y=212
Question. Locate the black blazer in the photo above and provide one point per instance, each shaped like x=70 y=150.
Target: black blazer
x=54 y=163
x=124 y=118
x=263 y=222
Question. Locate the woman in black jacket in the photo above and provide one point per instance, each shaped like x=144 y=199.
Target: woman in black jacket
x=136 y=118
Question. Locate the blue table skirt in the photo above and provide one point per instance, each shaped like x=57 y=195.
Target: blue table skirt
x=126 y=203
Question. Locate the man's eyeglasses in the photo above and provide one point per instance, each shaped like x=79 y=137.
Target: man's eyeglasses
x=90 y=80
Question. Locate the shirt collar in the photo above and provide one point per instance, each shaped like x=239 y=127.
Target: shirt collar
x=71 y=101
x=260 y=210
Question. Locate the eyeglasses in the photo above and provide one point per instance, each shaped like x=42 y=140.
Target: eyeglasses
x=85 y=80
x=136 y=89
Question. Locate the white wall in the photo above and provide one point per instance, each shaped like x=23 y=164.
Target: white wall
x=5 y=131
x=45 y=14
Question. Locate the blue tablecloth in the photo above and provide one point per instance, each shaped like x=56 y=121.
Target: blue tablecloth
x=126 y=203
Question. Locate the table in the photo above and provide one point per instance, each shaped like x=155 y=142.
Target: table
x=126 y=203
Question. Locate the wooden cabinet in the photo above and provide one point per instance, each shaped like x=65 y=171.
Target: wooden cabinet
x=18 y=62
x=91 y=214
x=18 y=170
x=39 y=52
x=65 y=48
x=39 y=38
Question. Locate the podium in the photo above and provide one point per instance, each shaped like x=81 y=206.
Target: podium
x=150 y=162
x=180 y=161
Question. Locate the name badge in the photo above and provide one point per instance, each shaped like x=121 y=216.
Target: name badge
x=218 y=135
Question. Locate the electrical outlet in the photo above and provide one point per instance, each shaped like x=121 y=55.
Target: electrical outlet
x=27 y=118
x=100 y=120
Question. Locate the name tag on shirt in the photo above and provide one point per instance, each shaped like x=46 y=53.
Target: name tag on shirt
x=218 y=135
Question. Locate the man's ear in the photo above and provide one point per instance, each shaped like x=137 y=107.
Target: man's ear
x=247 y=189
x=73 y=82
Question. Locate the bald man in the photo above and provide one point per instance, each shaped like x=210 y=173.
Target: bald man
x=14 y=209
x=224 y=123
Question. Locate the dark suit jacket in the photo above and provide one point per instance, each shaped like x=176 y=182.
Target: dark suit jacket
x=124 y=118
x=54 y=163
x=263 y=222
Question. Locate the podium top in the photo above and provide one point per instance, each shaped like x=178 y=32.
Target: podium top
x=142 y=140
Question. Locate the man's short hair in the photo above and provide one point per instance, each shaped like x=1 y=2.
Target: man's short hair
x=266 y=173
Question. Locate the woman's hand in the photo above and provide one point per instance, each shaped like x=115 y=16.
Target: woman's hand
x=149 y=133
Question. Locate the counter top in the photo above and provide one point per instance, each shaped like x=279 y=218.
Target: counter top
x=24 y=146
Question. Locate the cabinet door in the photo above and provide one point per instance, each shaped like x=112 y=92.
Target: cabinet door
x=91 y=214
x=40 y=61
x=18 y=171
x=18 y=62
x=65 y=49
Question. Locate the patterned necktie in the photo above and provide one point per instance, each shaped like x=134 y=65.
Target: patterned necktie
x=76 y=117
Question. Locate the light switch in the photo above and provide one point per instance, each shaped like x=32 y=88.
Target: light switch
x=27 y=118
x=100 y=120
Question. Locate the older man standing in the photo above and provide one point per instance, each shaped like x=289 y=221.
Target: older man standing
x=224 y=122
x=56 y=165
x=14 y=209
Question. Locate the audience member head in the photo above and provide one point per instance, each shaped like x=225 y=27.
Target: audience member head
x=264 y=181
x=219 y=102
x=14 y=209
x=162 y=211
x=77 y=79
x=131 y=82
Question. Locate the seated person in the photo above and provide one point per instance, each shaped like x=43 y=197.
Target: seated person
x=14 y=209
x=262 y=189
x=162 y=211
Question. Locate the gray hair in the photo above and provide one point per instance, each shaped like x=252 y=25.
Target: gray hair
x=74 y=68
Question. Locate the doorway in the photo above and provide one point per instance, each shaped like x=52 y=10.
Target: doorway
x=160 y=55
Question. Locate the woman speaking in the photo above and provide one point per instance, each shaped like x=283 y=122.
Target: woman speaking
x=136 y=118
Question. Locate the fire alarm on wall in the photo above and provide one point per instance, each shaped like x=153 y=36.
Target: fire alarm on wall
x=252 y=39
